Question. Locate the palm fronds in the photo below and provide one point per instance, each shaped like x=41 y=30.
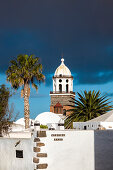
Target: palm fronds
x=88 y=106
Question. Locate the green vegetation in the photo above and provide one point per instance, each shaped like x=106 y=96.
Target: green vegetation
x=23 y=71
x=88 y=106
x=5 y=112
x=43 y=126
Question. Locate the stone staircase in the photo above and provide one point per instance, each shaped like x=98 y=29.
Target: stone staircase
x=37 y=150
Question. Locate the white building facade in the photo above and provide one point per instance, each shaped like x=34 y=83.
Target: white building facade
x=57 y=150
x=102 y=122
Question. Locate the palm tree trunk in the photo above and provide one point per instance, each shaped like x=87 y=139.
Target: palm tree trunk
x=26 y=106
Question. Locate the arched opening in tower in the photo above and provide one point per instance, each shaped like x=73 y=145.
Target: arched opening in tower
x=67 y=88
x=60 y=88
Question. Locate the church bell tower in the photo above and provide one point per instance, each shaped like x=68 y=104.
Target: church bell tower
x=62 y=92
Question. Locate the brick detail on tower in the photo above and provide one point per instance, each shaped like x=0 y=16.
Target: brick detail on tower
x=64 y=100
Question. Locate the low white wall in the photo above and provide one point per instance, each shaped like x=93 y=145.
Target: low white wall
x=8 y=160
x=107 y=125
x=74 y=152
x=21 y=135
x=92 y=125
x=88 y=125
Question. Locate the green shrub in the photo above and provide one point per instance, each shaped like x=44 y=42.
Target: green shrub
x=43 y=126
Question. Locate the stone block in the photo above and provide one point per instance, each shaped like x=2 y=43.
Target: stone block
x=42 y=166
x=36 y=149
x=40 y=144
x=36 y=140
x=35 y=160
x=41 y=134
x=62 y=99
x=41 y=154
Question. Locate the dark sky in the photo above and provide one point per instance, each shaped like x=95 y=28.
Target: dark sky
x=80 y=29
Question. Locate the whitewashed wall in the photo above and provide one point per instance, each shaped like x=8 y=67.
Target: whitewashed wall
x=8 y=160
x=92 y=125
x=89 y=125
x=75 y=152
x=107 y=125
x=56 y=83
x=78 y=150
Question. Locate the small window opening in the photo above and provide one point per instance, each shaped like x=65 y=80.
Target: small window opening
x=67 y=88
x=60 y=80
x=60 y=87
x=67 y=81
x=85 y=127
x=19 y=153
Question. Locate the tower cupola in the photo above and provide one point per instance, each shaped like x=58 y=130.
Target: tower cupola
x=62 y=79
x=62 y=70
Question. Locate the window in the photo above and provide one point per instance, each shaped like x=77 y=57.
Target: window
x=57 y=110
x=60 y=110
x=67 y=88
x=60 y=88
x=19 y=153
x=67 y=81
x=60 y=80
x=85 y=127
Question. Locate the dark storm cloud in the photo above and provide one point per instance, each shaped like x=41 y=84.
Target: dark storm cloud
x=95 y=77
x=82 y=30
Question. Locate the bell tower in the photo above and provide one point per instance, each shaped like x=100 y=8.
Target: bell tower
x=62 y=90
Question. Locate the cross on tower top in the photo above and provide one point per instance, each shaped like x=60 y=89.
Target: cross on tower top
x=62 y=60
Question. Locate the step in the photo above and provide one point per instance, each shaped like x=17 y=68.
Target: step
x=41 y=154
x=42 y=166
x=36 y=140
x=36 y=149
x=35 y=160
x=41 y=133
x=40 y=144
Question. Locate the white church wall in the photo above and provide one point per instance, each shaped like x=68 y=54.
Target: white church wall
x=57 y=85
x=68 y=150
x=8 y=160
x=63 y=83
x=71 y=84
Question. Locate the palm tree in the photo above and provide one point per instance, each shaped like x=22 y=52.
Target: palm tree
x=88 y=106
x=23 y=71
